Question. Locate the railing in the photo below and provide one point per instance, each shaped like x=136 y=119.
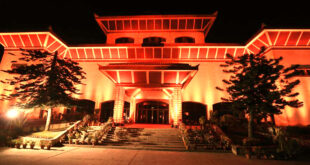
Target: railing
x=154 y=53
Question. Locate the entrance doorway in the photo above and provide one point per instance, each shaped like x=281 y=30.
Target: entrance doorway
x=153 y=112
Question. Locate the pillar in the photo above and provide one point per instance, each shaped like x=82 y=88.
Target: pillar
x=132 y=109
x=176 y=100
x=171 y=112
x=119 y=105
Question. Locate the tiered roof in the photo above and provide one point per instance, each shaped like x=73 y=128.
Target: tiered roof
x=200 y=23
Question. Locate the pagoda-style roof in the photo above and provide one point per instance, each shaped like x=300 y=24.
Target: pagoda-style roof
x=140 y=23
x=149 y=75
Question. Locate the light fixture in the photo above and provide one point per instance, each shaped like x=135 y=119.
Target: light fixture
x=12 y=113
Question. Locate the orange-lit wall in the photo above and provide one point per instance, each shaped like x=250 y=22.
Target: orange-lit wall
x=169 y=36
x=6 y=64
x=291 y=44
x=201 y=88
x=295 y=116
x=97 y=86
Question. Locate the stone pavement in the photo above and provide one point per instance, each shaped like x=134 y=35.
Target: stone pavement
x=107 y=156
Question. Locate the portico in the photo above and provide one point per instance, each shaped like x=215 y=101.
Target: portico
x=154 y=85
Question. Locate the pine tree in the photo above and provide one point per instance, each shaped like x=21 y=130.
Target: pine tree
x=259 y=86
x=46 y=81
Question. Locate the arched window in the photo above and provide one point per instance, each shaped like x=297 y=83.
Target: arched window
x=124 y=40
x=192 y=111
x=107 y=110
x=85 y=106
x=153 y=41
x=184 y=40
x=223 y=108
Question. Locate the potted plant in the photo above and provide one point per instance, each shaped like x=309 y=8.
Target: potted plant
x=61 y=139
x=12 y=143
x=248 y=153
x=77 y=136
x=110 y=120
x=18 y=142
x=70 y=137
x=25 y=144
x=83 y=137
x=88 y=140
x=42 y=144
x=48 y=145
x=32 y=143
x=94 y=140
x=202 y=122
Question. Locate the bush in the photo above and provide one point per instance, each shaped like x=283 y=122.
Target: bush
x=228 y=120
x=3 y=139
x=287 y=147
x=251 y=142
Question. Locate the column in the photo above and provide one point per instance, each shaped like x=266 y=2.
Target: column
x=171 y=111
x=132 y=109
x=177 y=105
x=119 y=105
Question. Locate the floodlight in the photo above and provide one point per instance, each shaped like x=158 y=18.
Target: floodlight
x=13 y=113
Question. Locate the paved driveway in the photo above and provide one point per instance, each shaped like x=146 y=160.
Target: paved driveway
x=106 y=156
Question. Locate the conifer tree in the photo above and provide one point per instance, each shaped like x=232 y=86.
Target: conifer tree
x=259 y=86
x=47 y=81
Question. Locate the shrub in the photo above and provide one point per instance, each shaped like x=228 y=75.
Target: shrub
x=3 y=139
x=86 y=118
x=287 y=147
x=251 y=142
x=228 y=121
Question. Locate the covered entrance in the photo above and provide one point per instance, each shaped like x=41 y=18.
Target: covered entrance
x=144 y=86
x=152 y=112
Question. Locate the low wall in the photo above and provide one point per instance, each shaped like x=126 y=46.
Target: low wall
x=55 y=139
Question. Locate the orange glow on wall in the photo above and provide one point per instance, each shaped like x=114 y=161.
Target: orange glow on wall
x=151 y=82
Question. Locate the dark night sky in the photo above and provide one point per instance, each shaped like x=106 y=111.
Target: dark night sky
x=74 y=23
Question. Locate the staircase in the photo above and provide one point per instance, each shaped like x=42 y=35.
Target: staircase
x=167 y=139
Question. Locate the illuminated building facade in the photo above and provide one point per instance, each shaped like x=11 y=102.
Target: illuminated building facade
x=157 y=65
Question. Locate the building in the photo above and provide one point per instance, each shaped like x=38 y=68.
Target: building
x=153 y=65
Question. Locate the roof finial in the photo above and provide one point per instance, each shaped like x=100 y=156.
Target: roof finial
x=215 y=13
x=263 y=25
x=50 y=28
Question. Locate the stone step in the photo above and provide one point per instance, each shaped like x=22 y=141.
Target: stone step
x=149 y=138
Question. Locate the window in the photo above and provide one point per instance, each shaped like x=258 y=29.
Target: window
x=192 y=111
x=124 y=40
x=85 y=106
x=153 y=41
x=184 y=40
x=107 y=110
